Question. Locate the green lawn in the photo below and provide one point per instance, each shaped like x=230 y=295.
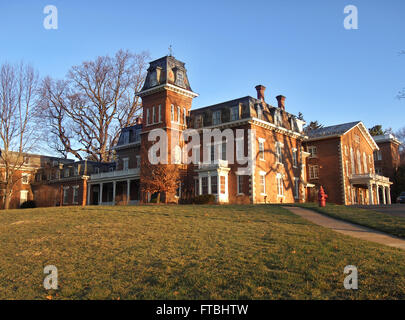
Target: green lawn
x=379 y=221
x=188 y=252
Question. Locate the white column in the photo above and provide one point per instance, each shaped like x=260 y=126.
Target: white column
x=100 y=195
x=199 y=186
x=370 y=194
x=377 y=188
x=389 y=194
x=128 y=191
x=383 y=193
x=114 y=190
x=88 y=193
x=209 y=183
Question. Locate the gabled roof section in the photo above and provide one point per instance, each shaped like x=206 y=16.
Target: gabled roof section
x=340 y=130
x=332 y=131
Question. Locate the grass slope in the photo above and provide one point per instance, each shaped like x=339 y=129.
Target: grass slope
x=376 y=220
x=188 y=252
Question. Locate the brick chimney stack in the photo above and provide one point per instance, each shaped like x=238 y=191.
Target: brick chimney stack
x=281 y=102
x=260 y=92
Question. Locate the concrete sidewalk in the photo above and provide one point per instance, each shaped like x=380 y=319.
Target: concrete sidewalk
x=348 y=228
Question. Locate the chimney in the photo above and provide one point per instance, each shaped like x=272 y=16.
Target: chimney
x=260 y=92
x=281 y=102
x=139 y=120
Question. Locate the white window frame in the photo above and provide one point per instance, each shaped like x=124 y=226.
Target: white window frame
x=280 y=185
x=178 y=114
x=295 y=157
x=296 y=188
x=147 y=116
x=184 y=116
x=262 y=183
x=65 y=195
x=125 y=164
x=279 y=152
x=160 y=113
x=261 y=148
x=23 y=176
x=313 y=150
x=312 y=171
x=153 y=115
x=75 y=193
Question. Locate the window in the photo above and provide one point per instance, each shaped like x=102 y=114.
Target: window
x=235 y=113
x=125 y=164
x=347 y=168
x=26 y=160
x=178 y=191
x=138 y=161
x=239 y=181
x=222 y=184
x=75 y=194
x=216 y=117
x=212 y=153
x=184 y=116
x=365 y=162
x=199 y=121
x=67 y=173
x=96 y=170
x=356 y=138
x=280 y=185
x=65 y=195
x=214 y=184
x=353 y=164
x=204 y=183
x=177 y=155
x=261 y=148
x=76 y=171
x=153 y=115
x=259 y=112
x=23 y=196
x=279 y=153
x=178 y=114
x=172 y=113
x=295 y=158
x=377 y=155
x=262 y=186
x=346 y=151
x=313 y=172
x=25 y=178
x=223 y=149
x=296 y=188
x=358 y=162
x=313 y=151
x=277 y=118
x=147 y=116
x=196 y=187
x=160 y=113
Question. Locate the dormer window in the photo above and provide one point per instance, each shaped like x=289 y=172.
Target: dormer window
x=277 y=118
x=216 y=117
x=235 y=113
x=179 y=78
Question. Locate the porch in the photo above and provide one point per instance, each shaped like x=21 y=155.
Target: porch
x=378 y=189
x=116 y=187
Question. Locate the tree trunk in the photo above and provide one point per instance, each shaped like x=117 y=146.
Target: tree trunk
x=158 y=198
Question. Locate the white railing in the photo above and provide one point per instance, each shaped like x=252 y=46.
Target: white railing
x=213 y=165
x=115 y=174
x=373 y=176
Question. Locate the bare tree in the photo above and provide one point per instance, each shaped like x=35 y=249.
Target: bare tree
x=87 y=110
x=18 y=96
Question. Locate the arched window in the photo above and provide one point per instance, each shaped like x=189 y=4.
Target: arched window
x=365 y=162
x=352 y=163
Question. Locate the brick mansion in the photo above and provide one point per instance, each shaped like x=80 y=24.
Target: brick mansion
x=287 y=163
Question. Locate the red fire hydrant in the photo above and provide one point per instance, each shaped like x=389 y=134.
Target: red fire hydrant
x=322 y=197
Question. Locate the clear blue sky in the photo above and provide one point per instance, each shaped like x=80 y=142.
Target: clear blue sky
x=296 y=48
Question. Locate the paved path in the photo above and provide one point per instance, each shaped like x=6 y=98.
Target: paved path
x=348 y=228
x=397 y=209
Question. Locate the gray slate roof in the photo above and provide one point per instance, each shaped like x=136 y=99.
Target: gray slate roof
x=332 y=130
